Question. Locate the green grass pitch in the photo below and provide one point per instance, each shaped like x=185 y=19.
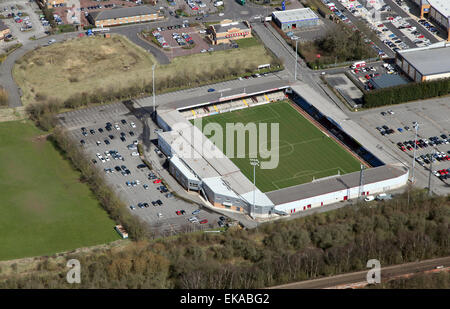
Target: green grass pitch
x=305 y=152
x=44 y=207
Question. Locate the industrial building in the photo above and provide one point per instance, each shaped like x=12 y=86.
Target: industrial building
x=425 y=63
x=228 y=30
x=295 y=19
x=437 y=11
x=122 y=16
x=4 y=30
x=387 y=80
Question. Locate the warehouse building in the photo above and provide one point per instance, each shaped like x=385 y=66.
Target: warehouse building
x=425 y=63
x=295 y=19
x=228 y=30
x=4 y=30
x=123 y=16
x=437 y=11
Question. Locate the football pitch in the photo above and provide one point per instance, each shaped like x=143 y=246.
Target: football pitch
x=305 y=152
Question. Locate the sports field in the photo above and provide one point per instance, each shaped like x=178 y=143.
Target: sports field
x=304 y=151
x=44 y=208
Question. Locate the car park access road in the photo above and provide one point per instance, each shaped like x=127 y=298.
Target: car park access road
x=399 y=11
x=399 y=34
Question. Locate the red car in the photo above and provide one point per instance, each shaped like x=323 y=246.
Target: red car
x=157 y=181
x=421 y=36
x=180 y=212
x=203 y=221
x=367 y=76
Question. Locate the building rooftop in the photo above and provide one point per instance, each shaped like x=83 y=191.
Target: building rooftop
x=334 y=184
x=173 y=119
x=434 y=59
x=295 y=15
x=183 y=168
x=123 y=12
x=217 y=185
x=224 y=27
x=388 y=80
x=442 y=6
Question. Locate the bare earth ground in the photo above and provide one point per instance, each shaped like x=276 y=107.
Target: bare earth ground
x=11 y=114
x=92 y=63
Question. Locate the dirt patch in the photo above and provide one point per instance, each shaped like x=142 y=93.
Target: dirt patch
x=40 y=138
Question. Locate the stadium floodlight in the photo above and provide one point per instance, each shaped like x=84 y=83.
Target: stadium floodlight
x=254 y=162
x=416 y=128
x=296 y=57
x=153 y=81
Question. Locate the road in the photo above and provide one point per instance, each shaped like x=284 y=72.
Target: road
x=344 y=280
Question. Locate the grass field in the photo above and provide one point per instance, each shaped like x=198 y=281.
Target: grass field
x=304 y=151
x=44 y=208
x=92 y=63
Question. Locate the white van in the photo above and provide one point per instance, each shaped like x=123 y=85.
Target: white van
x=369 y=198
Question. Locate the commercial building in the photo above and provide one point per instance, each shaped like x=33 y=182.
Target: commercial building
x=437 y=11
x=293 y=19
x=387 y=80
x=4 y=30
x=228 y=30
x=122 y=16
x=425 y=63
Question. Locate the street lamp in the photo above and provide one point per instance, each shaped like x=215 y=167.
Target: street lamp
x=296 y=56
x=254 y=162
x=431 y=172
x=153 y=81
x=416 y=127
